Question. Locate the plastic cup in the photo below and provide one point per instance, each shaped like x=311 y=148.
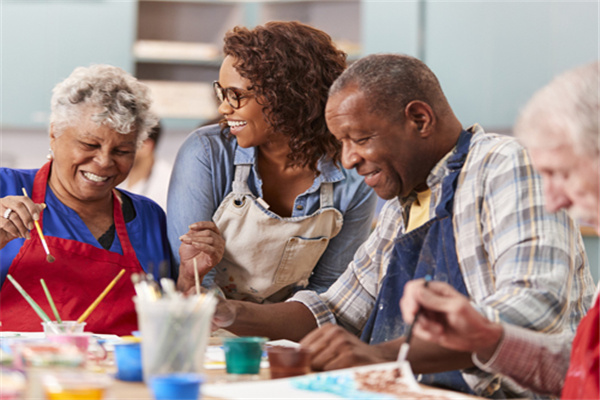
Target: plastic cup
x=175 y=333
x=62 y=385
x=53 y=327
x=36 y=357
x=12 y=384
x=128 y=357
x=80 y=340
x=288 y=361
x=176 y=386
x=36 y=353
x=243 y=354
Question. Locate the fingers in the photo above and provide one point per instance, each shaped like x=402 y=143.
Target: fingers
x=203 y=241
x=17 y=214
x=205 y=244
x=437 y=296
x=205 y=225
x=332 y=347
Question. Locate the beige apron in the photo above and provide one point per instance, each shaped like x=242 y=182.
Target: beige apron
x=267 y=256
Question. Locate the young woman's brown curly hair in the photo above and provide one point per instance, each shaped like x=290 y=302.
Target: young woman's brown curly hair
x=291 y=67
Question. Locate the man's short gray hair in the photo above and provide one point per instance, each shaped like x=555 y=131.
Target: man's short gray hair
x=567 y=106
x=121 y=101
x=390 y=82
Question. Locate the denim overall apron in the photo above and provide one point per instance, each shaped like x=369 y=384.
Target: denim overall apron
x=428 y=250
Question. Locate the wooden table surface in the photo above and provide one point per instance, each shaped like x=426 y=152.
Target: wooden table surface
x=139 y=391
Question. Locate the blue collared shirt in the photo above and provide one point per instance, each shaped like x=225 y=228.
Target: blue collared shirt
x=202 y=177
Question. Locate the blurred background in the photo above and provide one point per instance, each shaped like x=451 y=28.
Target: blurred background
x=490 y=56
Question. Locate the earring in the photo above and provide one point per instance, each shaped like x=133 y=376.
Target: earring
x=50 y=156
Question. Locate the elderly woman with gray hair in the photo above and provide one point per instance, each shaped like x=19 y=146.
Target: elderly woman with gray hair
x=89 y=230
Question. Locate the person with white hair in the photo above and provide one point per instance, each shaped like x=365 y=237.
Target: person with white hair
x=89 y=230
x=559 y=127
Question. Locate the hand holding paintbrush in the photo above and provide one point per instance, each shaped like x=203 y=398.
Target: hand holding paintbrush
x=49 y=257
x=403 y=364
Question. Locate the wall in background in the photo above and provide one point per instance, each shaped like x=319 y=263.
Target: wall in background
x=43 y=41
x=490 y=56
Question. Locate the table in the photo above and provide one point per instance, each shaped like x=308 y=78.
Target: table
x=139 y=391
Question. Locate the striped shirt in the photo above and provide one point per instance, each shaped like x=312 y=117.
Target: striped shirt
x=521 y=264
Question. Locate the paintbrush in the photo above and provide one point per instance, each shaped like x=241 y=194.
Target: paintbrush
x=49 y=257
x=91 y=308
x=196 y=277
x=403 y=364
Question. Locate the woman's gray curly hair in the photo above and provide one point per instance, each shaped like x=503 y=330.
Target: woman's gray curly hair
x=121 y=101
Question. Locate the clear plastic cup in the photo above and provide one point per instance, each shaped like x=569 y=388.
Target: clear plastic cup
x=12 y=384
x=80 y=340
x=175 y=333
x=36 y=357
x=243 y=354
x=53 y=327
x=59 y=385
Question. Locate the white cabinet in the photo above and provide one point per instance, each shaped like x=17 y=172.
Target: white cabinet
x=178 y=49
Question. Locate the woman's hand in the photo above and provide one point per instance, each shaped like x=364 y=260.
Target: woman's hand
x=204 y=243
x=17 y=222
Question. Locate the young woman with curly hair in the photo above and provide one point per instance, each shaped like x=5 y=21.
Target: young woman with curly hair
x=260 y=200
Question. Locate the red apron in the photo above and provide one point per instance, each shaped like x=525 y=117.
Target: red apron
x=582 y=380
x=80 y=273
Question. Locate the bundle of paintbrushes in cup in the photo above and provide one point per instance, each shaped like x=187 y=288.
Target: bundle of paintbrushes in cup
x=175 y=332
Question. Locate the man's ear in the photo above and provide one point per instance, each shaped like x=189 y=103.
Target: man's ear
x=420 y=115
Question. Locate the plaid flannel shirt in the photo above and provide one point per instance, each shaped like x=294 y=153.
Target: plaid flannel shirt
x=521 y=264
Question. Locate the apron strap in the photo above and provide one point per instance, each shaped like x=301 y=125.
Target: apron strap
x=239 y=185
x=326 y=194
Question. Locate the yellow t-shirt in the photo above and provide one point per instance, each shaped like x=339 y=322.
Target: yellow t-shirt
x=419 y=210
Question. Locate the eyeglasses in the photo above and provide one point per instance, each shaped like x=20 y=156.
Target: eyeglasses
x=234 y=96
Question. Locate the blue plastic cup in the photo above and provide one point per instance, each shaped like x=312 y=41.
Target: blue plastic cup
x=177 y=386
x=128 y=357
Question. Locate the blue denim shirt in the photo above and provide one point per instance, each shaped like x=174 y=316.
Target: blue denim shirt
x=202 y=178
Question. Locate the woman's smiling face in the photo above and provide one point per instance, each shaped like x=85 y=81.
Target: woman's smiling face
x=90 y=159
x=247 y=123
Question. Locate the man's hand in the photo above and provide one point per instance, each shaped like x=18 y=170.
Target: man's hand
x=204 y=243
x=333 y=347
x=448 y=319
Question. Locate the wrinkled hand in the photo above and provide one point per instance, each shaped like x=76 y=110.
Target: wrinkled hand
x=333 y=348
x=448 y=318
x=204 y=243
x=20 y=220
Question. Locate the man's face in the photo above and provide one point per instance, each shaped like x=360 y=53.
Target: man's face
x=382 y=150
x=571 y=181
